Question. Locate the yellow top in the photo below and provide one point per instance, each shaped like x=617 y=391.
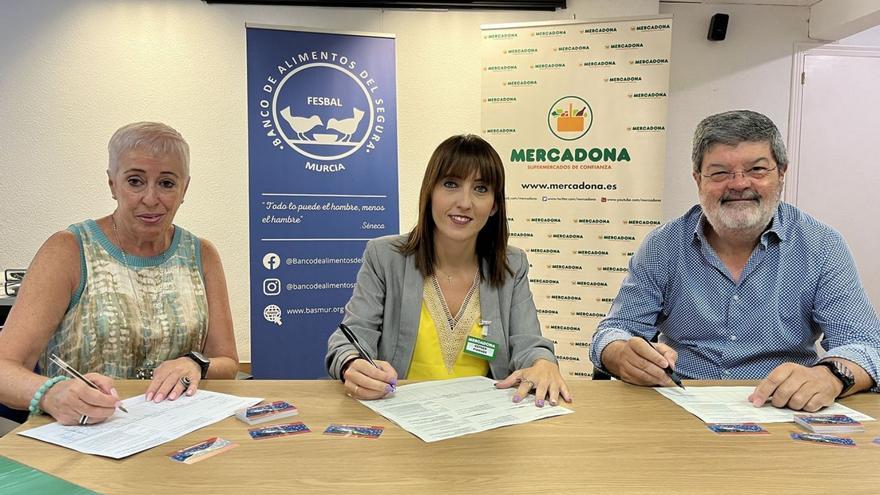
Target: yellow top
x=427 y=361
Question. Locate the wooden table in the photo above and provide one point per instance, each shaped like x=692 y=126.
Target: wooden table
x=622 y=439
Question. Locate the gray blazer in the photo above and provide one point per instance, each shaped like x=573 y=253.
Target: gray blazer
x=386 y=304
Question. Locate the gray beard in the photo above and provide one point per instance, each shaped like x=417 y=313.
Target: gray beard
x=754 y=220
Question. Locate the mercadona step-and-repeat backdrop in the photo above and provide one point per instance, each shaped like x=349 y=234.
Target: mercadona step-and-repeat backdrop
x=577 y=112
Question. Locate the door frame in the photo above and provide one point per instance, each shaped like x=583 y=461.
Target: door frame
x=801 y=50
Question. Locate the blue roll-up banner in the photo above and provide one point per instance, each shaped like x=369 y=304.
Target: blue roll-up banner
x=322 y=151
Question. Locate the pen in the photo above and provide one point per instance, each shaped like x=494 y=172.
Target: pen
x=668 y=370
x=76 y=374
x=357 y=345
x=363 y=352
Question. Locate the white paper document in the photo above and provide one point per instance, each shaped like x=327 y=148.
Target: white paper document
x=731 y=405
x=443 y=409
x=146 y=425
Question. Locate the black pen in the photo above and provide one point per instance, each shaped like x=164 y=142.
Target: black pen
x=76 y=374
x=357 y=345
x=668 y=369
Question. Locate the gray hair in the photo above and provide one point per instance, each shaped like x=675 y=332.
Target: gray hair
x=154 y=138
x=734 y=127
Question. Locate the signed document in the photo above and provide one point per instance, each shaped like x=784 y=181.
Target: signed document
x=731 y=405
x=442 y=409
x=146 y=425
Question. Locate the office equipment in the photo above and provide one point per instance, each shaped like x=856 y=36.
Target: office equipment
x=718 y=27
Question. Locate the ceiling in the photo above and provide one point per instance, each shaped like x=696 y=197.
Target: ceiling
x=799 y=3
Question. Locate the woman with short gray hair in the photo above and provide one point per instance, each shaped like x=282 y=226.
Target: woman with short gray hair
x=129 y=295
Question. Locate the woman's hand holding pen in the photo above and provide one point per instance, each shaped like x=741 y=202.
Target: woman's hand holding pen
x=544 y=377
x=169 y=377
x=365 y=381
x=70 y=400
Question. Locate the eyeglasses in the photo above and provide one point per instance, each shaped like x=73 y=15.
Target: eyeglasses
x=752 y=173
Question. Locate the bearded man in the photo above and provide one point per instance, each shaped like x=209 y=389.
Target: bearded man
x=743 y=286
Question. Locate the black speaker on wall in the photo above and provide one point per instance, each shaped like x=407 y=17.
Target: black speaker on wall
x=718 y=27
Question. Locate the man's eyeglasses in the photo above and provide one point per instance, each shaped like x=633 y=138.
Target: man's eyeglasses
x=752 y=173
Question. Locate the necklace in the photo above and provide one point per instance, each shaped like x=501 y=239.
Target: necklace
x=128 y=268
x=449 y=278
x=134 y=291
x=137 y=294
x=145 y=369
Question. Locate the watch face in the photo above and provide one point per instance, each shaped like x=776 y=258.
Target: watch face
x=198 y=355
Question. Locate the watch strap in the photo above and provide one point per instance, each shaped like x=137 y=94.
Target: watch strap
x=841 y=372
x=203 y=362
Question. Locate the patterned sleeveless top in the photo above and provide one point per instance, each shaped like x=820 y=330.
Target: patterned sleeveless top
x=124 y=317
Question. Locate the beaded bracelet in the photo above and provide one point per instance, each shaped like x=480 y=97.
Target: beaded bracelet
x=34 y=407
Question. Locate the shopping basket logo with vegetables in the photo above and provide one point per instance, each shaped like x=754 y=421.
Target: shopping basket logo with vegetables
x=570 y=118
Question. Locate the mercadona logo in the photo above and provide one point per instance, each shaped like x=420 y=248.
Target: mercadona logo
x=570 y=117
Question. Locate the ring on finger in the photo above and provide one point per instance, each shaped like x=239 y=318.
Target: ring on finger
x=185 y=381
x=531 y=383
x=83 y=420
x=356 y=388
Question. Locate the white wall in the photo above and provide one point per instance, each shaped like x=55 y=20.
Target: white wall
x=71 y=72
x=750 y=69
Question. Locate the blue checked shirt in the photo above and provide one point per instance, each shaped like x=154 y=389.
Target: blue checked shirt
x=799 y=283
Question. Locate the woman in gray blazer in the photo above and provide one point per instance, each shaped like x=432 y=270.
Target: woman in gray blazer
x=450 y=298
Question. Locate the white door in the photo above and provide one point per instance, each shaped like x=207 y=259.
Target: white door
x=835 y=139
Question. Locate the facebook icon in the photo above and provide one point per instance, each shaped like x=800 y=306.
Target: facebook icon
x=271 y=261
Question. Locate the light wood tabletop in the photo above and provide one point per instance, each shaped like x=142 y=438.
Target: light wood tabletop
x=621 y=439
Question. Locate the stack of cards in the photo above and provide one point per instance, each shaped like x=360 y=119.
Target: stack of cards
x=266 y=412
x=202 y=450
x=828 y=423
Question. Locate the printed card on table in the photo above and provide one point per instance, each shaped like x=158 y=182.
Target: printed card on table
x=823 y=439
x=281 y=430
x=202 y=450
x=356 y=431
x=737 y=428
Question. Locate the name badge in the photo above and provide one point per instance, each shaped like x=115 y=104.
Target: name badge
x=483 y=349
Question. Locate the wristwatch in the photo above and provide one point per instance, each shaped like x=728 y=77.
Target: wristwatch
x=201 y=360
x=841 y=372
